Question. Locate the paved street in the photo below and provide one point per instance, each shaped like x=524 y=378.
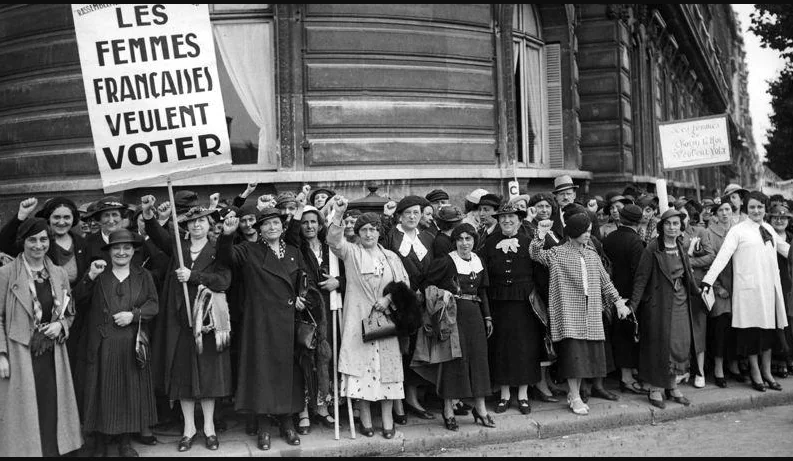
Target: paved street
x=756 y=432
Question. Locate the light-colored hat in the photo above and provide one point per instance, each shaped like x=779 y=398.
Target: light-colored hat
x=477 y=194
x=563 y=182
x=733 y=188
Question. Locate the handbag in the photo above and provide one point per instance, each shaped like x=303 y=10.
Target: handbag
x=550 y=352
x=306 y=332
x=377 y=326
x=142 y=348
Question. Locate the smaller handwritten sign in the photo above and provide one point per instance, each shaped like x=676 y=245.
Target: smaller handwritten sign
x=695 y=142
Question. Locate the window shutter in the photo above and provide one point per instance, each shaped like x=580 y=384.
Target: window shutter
x=553 y=80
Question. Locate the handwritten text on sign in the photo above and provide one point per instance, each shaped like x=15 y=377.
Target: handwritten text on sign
x=152 y=89
x=695 y=142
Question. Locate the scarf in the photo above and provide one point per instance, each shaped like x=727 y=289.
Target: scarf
x=508 y=244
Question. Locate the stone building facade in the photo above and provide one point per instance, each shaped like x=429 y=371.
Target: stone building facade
x=408 y=96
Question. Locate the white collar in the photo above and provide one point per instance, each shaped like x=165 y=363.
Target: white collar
x=474 y=265
x=409 y=243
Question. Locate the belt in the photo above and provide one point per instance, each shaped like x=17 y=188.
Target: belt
x=469 y=298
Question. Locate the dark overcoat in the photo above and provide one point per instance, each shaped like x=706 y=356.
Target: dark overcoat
x=204 y=271
x=268 y=379
x=653 y=292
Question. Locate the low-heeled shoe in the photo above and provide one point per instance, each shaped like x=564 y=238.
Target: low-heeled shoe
x=212 y=442
x=186 y=443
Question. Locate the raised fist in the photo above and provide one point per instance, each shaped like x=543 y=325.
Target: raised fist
x=26 y=207
x=97 y=267
x=214 y=199
x=230 y=225
x=389 y=208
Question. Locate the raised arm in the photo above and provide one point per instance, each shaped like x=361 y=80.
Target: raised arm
x=228 y=254
x=158 y=235
x=336 y=241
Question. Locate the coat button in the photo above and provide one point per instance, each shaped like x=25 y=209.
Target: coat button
x=508 y=261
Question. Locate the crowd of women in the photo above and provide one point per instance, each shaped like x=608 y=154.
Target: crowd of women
x=112 y=313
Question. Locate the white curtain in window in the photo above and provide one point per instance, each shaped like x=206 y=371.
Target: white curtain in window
x=533 y=92
x=247 y=52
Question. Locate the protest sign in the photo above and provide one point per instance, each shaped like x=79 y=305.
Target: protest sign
x=153 y=93
x=695 y=142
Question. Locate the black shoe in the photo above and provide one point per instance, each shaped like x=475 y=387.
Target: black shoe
x=303 y=430
x=423 y=414
x=400 y=419
x=634 y=387
x=251 y=425
x=290 y=436
x=212 y=442
x=367 y=431
x=450 y=423
x=736 y=376
x=524 y=407
x=543 y=397
x=263 y=440
x=461 y=408
x=325 y=420
x=721 y=382
x=557 y=391
x=772 y=385
x=125 y=450
x=679 y=399
x=758 y=386
x=186 y=443
x=389 y=433
x=146 y=439
x=485 y=420
x=501 y=407
x=656 y=403
x=604 y=394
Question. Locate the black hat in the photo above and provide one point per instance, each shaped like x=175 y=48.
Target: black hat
x=197 y=212
x=465 y=228
x=110 y=202
x=437 y=195
x=449 y=213
x=268 y=213
x=314 y=193
x=184 y=200
x=631 y=213
x=355 y=212
x=576 y=225
x=55 y=202
x=510 y=208
x=490 y=199
x=31 y=226
x=368 y=218
x=670 y=213
x=284 y=198
x=409 y=201
x=245 y=210
x=122 y=236
x=572 y=209
x=224 y=212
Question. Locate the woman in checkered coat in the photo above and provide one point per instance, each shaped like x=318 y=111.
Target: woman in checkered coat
x=580 y=289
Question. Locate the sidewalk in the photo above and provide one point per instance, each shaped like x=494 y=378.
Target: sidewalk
x=546 y=420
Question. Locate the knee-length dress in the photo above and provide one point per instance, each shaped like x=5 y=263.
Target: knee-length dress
x=469 y=375
x=119 y=396
x=370 y=370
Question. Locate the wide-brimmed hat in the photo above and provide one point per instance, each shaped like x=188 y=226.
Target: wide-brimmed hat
x=197 y=212
x=107 y=203
x=563 y=182
x=510 y=208
x=122 y=236
x=733 y=188
x=647 y=200
x=450 y=213
x=525 y=197
x=780 y=211
x=268 y=213
x=475 y=195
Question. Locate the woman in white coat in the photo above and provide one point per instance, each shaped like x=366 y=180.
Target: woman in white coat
x=758 y=306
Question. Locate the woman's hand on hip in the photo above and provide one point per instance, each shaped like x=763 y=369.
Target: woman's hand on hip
x=123 y=319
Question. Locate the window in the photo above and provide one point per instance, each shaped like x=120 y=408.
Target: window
x=528 y=72
x=245 y=49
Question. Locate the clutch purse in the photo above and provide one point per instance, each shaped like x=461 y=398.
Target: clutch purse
x=377 y=326
x=142 y=347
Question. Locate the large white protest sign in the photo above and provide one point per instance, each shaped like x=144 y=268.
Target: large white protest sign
x=153 y=92
x=695 y=142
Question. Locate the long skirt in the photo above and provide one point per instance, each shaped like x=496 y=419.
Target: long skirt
x=370 y=386
x=469 y=375
x=721 y=338
x=203 y=376
x=119 y=396
x=679 y=334
x=753 y=341
x=579 y=358
x=515 y=347
x=625 y=350
x=46 y=401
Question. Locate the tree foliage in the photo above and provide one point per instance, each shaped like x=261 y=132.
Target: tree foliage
x=773 y=24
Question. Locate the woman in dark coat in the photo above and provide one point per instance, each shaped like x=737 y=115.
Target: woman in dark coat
x=461 y=272
x=662 y=298
x=270 y=380
x=184 y=373
x=515 y=347
x=119 y=396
